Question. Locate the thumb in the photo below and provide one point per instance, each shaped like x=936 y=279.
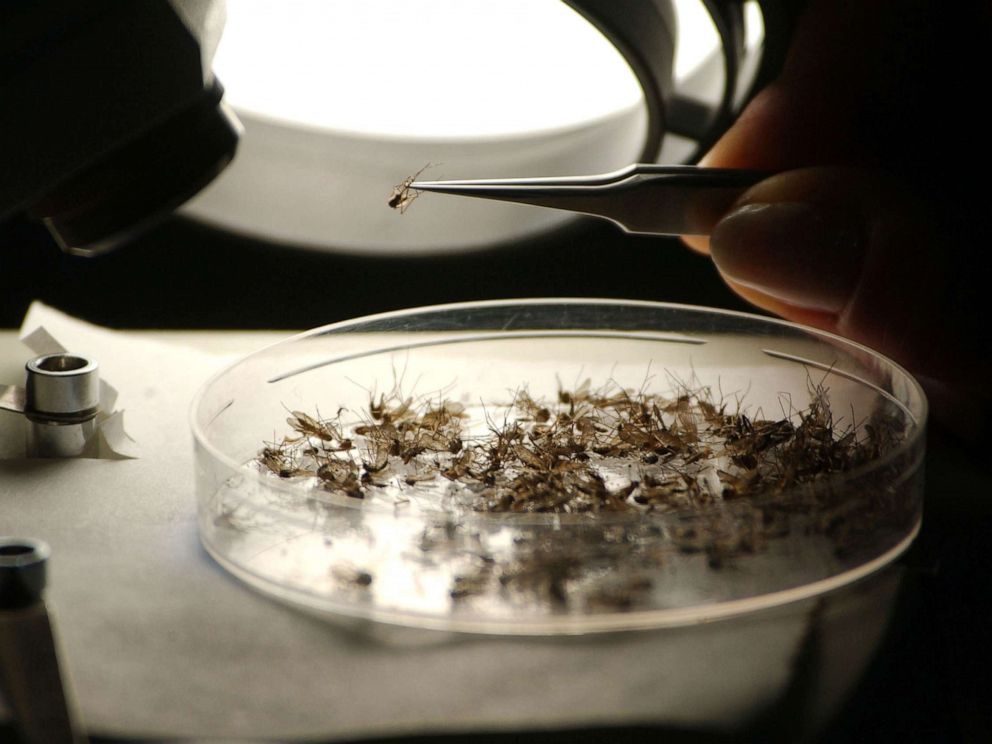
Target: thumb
x=850 y=251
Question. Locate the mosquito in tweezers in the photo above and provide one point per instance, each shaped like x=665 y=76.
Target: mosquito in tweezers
x=402 y=195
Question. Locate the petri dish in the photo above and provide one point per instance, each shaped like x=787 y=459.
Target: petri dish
x=418 y=545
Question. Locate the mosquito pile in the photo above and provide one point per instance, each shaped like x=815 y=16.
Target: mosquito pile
x=587 y=451
x=599 y=455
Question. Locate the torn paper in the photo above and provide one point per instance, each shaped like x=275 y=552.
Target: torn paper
x=110 y=441
x=109 y=438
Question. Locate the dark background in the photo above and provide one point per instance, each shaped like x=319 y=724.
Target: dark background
x=184 y=274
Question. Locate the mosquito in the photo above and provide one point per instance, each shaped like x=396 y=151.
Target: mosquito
x=402 y=195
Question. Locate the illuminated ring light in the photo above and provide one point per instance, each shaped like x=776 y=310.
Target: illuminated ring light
x=302 y=182
x=753 y=38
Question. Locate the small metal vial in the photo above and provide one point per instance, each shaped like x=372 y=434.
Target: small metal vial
x=37 y=692
x=62 y=398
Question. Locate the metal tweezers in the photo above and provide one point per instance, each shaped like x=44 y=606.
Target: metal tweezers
x=641 y=199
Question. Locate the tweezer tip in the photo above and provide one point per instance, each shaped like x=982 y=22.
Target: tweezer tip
x=434 y=185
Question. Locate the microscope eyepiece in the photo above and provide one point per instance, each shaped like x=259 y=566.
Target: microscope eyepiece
x=114 y=199
x=132 y=121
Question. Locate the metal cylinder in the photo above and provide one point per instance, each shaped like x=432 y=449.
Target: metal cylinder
x=30 y=674
x=62 y=385
x=22 y=571
x=61 y=404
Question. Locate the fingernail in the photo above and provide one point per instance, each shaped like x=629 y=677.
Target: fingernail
x=802 y=254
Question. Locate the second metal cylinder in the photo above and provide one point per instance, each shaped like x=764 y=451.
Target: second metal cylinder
x=62 y=401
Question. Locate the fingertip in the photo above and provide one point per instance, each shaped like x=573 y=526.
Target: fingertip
x=804 y=316
x=802 y=254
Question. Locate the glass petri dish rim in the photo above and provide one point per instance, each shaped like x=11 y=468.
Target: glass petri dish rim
x=917 y=418
x=308 y=600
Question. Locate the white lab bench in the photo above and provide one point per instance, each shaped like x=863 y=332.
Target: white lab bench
x=160 y=641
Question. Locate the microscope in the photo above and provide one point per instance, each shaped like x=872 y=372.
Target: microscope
x=111 y=116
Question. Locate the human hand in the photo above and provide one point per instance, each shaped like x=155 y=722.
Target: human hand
x=865 y=232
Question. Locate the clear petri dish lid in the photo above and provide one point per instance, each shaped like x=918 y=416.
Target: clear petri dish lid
x=557 y=466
